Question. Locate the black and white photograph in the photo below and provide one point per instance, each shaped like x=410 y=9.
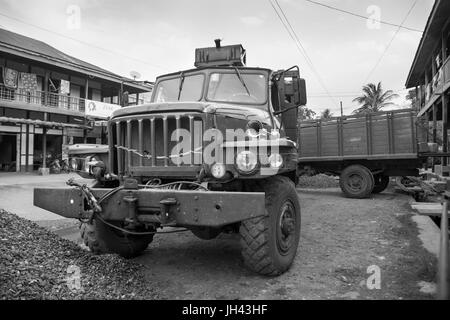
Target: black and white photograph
x=228 y=156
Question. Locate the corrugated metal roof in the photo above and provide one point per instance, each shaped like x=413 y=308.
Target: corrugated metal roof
x=36 y=46
x=29 y=45
x=439 y=16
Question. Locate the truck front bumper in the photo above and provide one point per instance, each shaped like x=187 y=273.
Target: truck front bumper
x=167 y=207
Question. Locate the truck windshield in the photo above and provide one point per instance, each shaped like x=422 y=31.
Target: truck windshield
x=237 y=88
x=183 y=88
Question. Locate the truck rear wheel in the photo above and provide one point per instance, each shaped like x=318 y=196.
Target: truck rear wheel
x=381 y=183
x=101 y=239
x=269 y=243
x=357 y=182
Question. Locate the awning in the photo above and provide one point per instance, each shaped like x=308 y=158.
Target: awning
x=42 y=123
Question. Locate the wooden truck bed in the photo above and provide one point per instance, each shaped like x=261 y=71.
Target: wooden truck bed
x=378 y=136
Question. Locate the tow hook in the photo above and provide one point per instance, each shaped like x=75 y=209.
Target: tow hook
x=165 y=209
x=131 y=220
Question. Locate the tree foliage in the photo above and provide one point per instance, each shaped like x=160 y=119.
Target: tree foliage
x=326 y=114
x=374 y=99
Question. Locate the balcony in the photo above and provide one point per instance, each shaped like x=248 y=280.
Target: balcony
x=42 y=99
x=438 y=85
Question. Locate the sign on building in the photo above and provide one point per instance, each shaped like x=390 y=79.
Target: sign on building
x=99 y=109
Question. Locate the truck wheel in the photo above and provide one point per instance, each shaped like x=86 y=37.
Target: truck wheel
x=101 y=239
x=206 y=233
x=269 y=244
x=381 y=183
x=357 y=182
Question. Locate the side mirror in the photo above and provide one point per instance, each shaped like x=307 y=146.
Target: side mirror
x=292 y=90
x=303 y=99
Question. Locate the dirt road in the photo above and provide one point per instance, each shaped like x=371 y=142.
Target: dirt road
x=340 y=240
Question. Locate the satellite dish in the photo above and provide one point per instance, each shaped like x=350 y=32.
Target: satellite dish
x=135 y=75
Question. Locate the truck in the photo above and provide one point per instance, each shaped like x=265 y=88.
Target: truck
x=364 y=150
x=215 y=151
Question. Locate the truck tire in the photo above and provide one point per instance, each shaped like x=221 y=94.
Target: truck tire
x=206 y=233
x=356 y=182
x=381 y=183
x=269 y=243
x=101 y=239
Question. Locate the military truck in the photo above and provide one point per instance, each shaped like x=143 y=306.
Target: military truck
x=215 y=151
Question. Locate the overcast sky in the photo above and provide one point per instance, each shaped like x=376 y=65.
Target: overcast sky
x=159 y=36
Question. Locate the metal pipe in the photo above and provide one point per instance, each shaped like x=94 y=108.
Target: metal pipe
x=178 y=128
x=129 y=146
x=191 y=129
x=166 y=142
x=111 y=147
x=153 y=140
x=119 y=151
x=141 y=141
x=443 y=271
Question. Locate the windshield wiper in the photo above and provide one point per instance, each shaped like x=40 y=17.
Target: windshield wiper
x=242 y=80
x=180 y=88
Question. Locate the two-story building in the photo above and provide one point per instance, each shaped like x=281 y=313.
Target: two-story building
x=430 y=76
x=48 y=99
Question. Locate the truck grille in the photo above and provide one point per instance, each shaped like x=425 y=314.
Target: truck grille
x=140 y=144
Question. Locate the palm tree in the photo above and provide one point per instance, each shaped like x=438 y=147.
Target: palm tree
x=374 y=98
x=326 y=114
x=305 y=113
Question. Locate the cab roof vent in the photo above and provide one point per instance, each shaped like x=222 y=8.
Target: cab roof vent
x=234 y=55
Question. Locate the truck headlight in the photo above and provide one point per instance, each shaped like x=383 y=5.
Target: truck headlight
x=275 y=161
x=218 y=170
x=246 y=161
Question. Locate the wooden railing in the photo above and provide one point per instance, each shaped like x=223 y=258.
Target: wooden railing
x=439 y=81
x=47 y=99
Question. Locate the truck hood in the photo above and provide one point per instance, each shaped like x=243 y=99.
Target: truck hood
x=243 y=112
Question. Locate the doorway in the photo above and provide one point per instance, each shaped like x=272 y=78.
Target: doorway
x=8 y=154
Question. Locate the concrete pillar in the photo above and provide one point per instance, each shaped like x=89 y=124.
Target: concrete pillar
x=434 y=123
x=434 y=128
x=23 y=148
x=444 y=127
x=44 y=147
x=46 y=80
x=86 y=89
x=30 y=153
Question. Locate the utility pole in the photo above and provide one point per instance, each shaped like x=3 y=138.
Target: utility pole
x=342 y=110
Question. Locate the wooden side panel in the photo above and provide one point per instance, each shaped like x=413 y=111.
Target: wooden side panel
x=308 y=141
x=403 y=133
x=380 y=135
x=329 y=139
x=355 y=137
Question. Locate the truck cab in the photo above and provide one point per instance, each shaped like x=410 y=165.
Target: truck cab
x=215 y=151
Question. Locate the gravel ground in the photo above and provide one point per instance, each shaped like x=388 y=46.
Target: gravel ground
x=320 y=181
x=37 y=264
x=340 y=239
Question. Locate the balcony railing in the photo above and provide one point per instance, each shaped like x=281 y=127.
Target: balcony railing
x=446 y=72
x=440 y=81
x=41 y=98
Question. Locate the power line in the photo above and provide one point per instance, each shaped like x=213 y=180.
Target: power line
x=82 y=42
x=362 y=16
x=390 y=42
x=293 y=35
